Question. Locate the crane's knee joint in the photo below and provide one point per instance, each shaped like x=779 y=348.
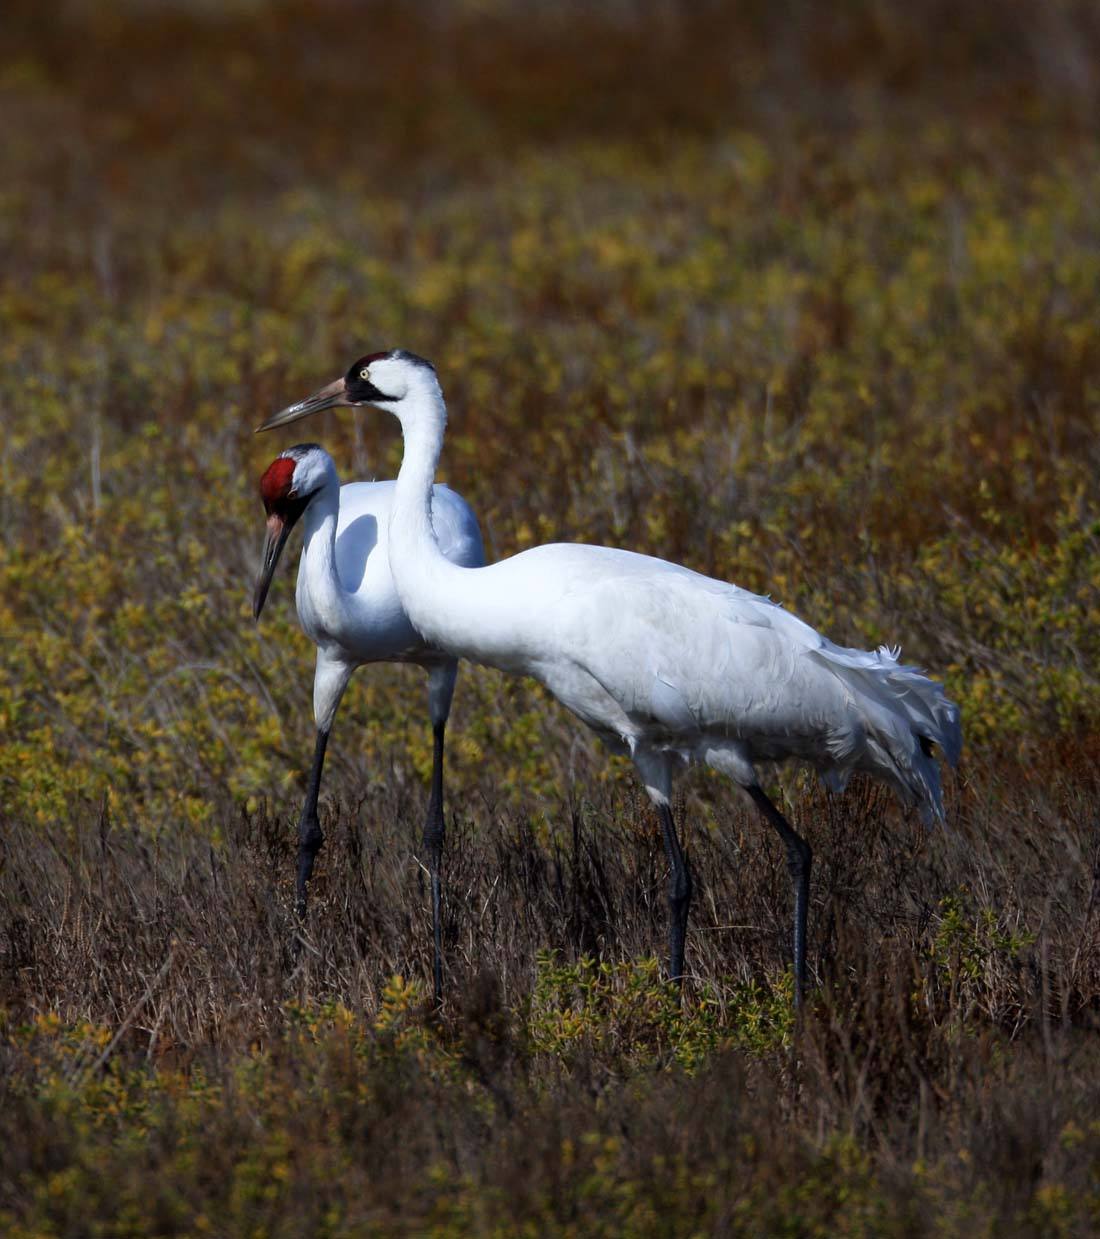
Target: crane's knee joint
x=679 y=894
x=433 y=836
x=311 y=839
x=800 y=858
x=305 y=871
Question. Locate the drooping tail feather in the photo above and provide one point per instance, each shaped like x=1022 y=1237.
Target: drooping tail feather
x=900 y=714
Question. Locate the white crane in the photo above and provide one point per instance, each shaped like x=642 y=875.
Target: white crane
x=349 y=607
x=663 y=663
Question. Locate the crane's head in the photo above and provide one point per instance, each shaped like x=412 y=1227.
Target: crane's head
x=288 y=485
x=381 y=379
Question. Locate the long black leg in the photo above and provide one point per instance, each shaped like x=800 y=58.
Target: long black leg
x=433 y=845
x=679 y=895
x=800 y=858
x=310 y=837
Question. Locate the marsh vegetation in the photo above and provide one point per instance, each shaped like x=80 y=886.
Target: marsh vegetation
x=807 y=301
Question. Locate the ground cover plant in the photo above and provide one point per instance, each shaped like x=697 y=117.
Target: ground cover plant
x=803 y=299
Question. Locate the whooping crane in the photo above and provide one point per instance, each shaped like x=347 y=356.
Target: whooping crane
x=349 y=607
x=665 y=664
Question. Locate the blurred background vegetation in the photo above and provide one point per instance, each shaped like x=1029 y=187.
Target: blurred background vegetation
x=804 y=296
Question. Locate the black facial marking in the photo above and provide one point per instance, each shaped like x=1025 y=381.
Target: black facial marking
x=291 y=507
x=362 y=391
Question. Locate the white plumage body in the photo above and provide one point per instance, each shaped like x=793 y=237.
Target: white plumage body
x=358 y=611
x=346 y=599
x=662 y=662
x=348 y=605
x=656 y=657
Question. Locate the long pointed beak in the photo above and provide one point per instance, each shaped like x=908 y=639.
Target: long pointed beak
x=333 y=396
x=278 y=531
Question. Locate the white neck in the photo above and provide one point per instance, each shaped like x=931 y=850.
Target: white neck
x=317 y=571
x=433 y=590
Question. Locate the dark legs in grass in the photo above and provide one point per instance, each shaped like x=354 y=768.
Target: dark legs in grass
x=799 y=860
x=310 y=837
x=656 y=773
x=655 y=770
x=799 y=863
x=433 y=847
x=329 y=684
x=441 y=688
x=679 y=896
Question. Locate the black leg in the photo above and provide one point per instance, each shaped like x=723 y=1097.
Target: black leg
x=799 y=860
x=310 y=837
x=679 y=896
x=433 y=845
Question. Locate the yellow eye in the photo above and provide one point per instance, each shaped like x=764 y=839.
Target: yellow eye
x=364 y=374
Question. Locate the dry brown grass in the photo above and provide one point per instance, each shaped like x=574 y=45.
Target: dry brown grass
x=803 y=296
